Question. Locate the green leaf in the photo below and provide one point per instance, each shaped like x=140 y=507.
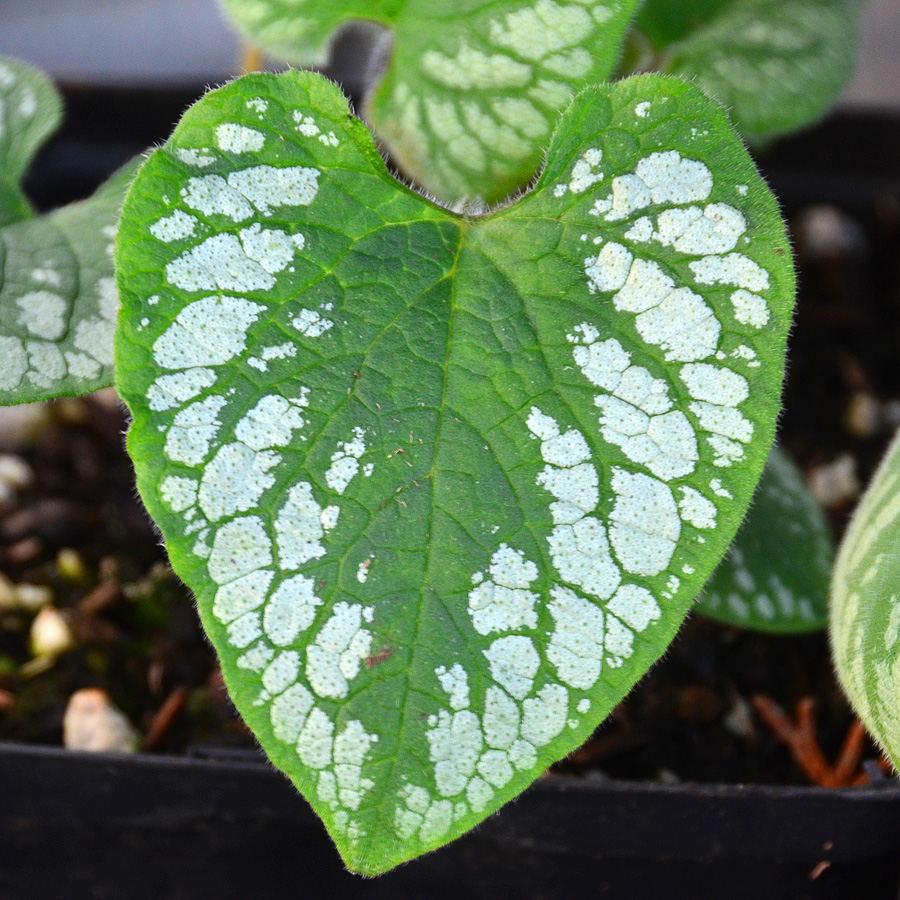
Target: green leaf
x=58 y=299
x=445 y=487
x=472 y=90
x=30 y=111
x=777 y=65
x=775 y=575
x=865 y=607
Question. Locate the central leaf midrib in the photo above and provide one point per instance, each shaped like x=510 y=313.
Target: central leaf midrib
x=390 y=791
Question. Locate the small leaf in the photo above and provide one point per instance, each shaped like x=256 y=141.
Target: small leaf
x=58 y=299
x=472 y=91
x=30 y=110
x=865 y=607
x=775 y=575
x=776 y=65
x=445 y=487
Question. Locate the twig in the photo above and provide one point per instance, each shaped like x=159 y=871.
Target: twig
x=803 y=743
x=164 y=717
x=103 y=595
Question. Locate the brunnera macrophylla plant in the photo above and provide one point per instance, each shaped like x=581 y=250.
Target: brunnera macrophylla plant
x=865 y=607
x=775 y=575
x=776 y=65
x=444 y=486
x=470 y=93
x=58 y=299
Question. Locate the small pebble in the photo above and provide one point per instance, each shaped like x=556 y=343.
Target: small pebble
x=862 y=416
x=105 y=594
x=15 y=473
x=824 y=232
x=20 y=425
x=739 y=719
x=26 y=551
x=667 y=776
x=70 y=565
x=7 y=594
x=50 y=634
x=93 y=723
x=835 y=483
x=32 y=597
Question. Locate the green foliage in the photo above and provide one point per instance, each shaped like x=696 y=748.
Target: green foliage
x=865 y=607
x=58 y=297
x=30 y=111
x=776 y=65
x=775 y=574
x=472 y=90
x=444 y=487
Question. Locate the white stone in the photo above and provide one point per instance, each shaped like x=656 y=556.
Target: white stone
x=94 y=724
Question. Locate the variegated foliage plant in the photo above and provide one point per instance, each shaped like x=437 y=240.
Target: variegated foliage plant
x=445 y=486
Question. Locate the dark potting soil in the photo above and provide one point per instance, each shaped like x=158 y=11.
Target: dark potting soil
x=137 y=636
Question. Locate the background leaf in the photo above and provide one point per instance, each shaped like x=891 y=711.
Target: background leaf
x=865 y=607
x=776 y=65
x=472 y=90
x=775 y=574
x=445 y=487
x=58 y=299
x=30 y=111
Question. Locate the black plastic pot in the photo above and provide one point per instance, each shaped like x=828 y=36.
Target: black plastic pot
x=158 y=828
x=101 y=827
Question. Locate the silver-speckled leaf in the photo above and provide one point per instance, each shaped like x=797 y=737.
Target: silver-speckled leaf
x=58 y=298
x=775 y=574
x=445 y=486
x=473 y=90
x=865 y=607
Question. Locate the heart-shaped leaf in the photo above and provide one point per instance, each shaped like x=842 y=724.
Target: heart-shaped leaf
x=865 y=607
x=775 y=574
x=472 y=91
x=445 y=487
x=58 y=299
x=776 y=64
